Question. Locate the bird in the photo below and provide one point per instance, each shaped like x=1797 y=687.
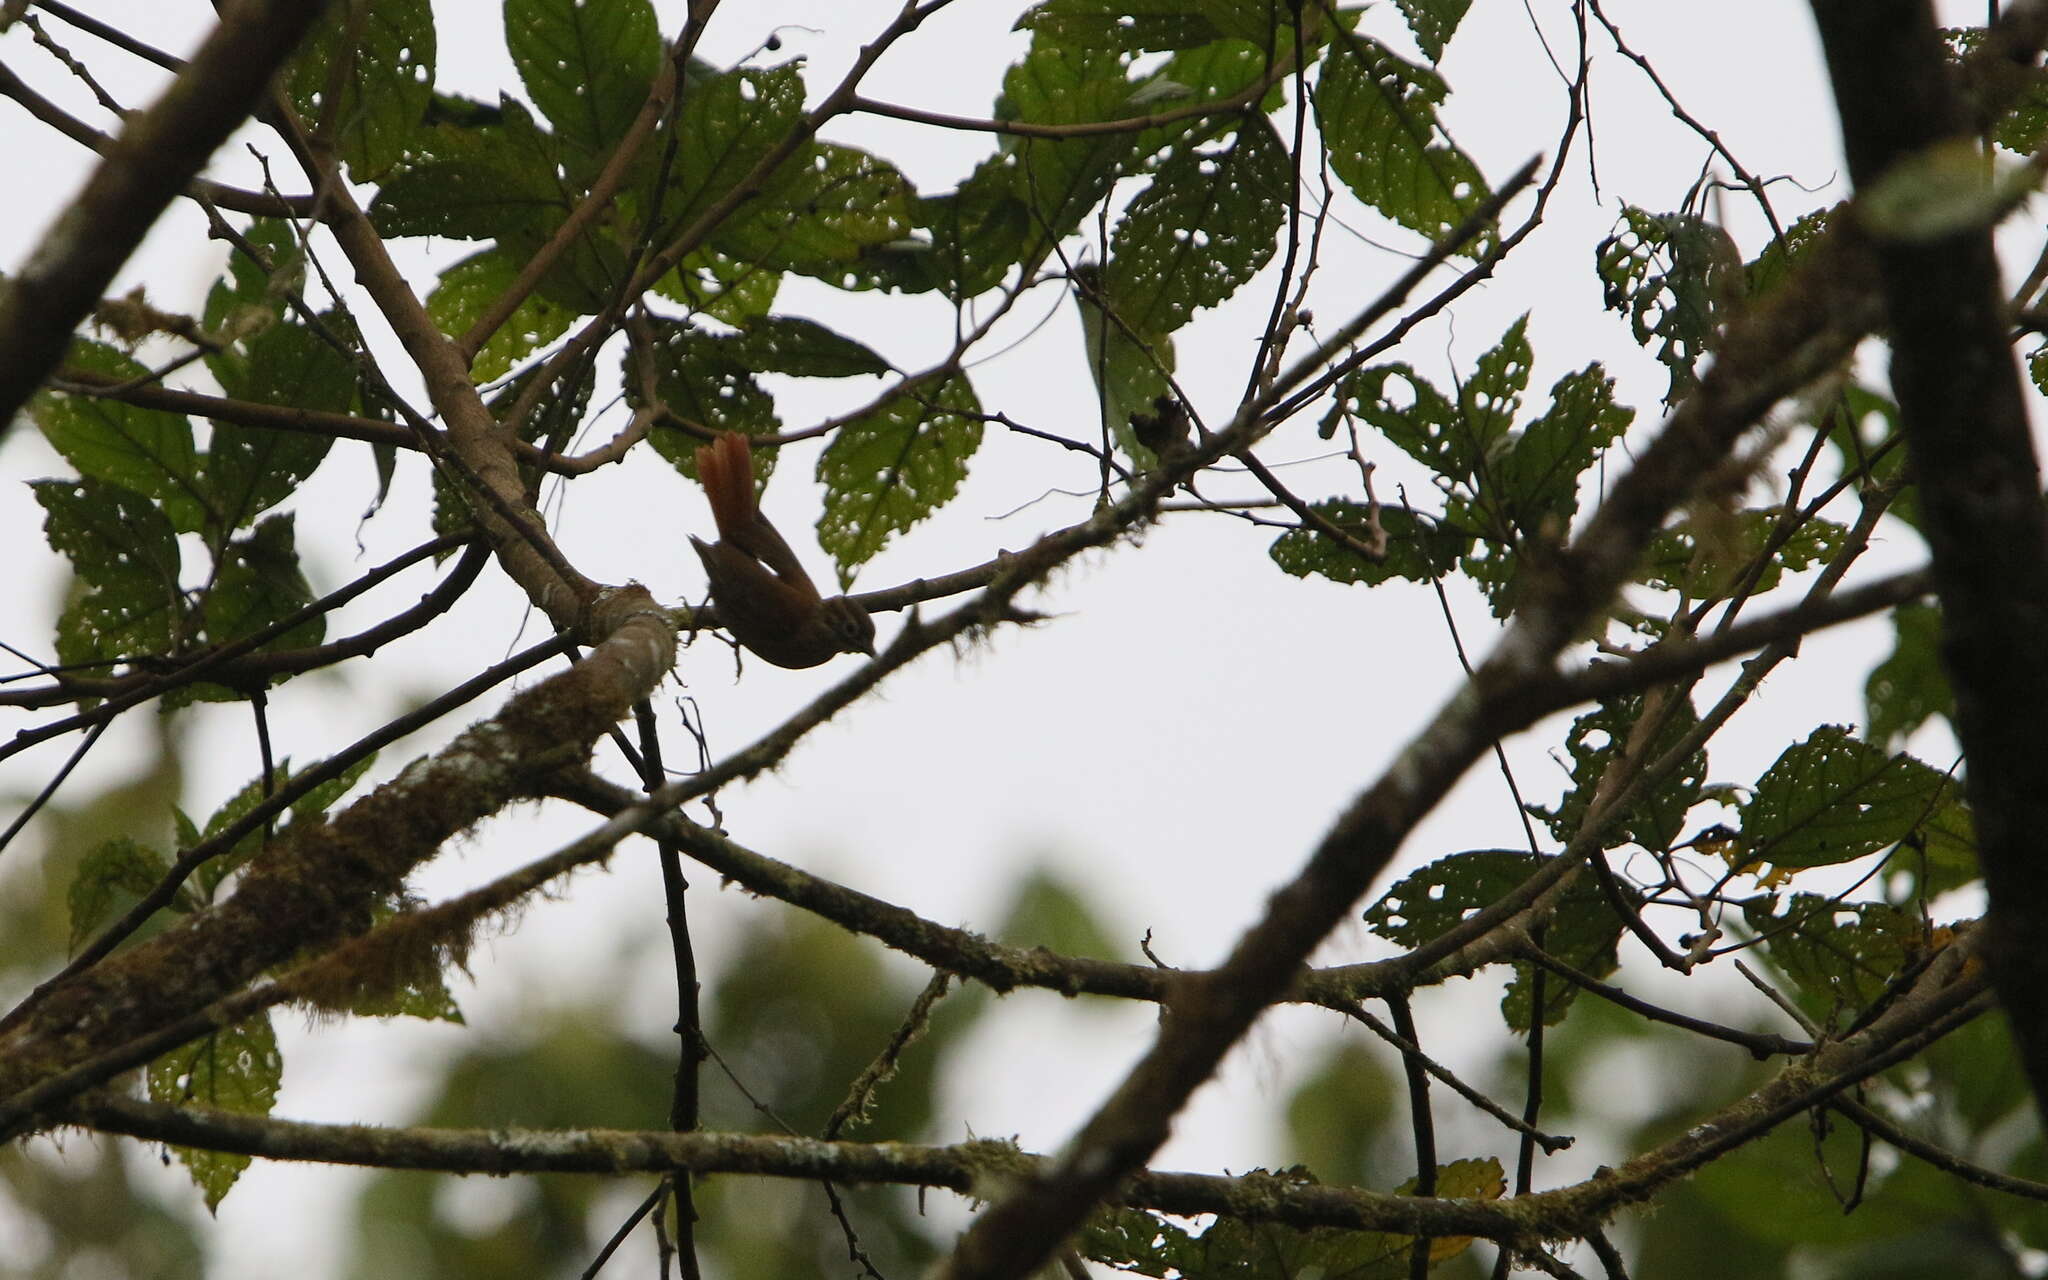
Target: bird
x=763 y=595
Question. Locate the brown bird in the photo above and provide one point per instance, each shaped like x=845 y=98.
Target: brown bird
x=763 y=595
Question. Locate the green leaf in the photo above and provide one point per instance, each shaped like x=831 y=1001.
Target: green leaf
x=1940 y=190
x=824 y=208
x=1344 y=1109
x=971 y=238
x=478 y=197
x=1840 y=956
x=1583 y=931
x=1135 y=1241
x=468 y=289
x=252 y=294
x=1942 y=853
x=890 y=468
x=2024 y=125
x=1207 y=74
x=1538 y=478
x=498 y=182
x=1776 y=263
x=1379 y=122
x=259 y=583
x=116 y=874
x=1266 y=23
x=1200 y=231
x=307 y=807
x=587 y=66
x=1458 y=441
x=726 y=289
x=1503 y=486
x=236 y=1069
x=1060 y=180
x=214 y=870
x=1655 y=820
x=1419 y=548
x=700 y=379
x=1674 y=276
x=1708 y=553
x=1130 y=369
x=148 y=451
x=728 y=124
x=125 y=555
x=1909 y=687
x=379 y=55
x=1863 y=426
x=248 y=470
x=420 y=996
x=1433 y=22
x=321 y=797
x=1833 y=798
x=801 y=348
x=115 y=540
x=1121 y=24
x=1415 y=417
x=1133 y=25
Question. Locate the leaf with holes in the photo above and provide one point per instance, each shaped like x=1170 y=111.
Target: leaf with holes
x=699 y=378
x=126 y=557
x=1419 y=549
x=248 y=470
x=1775 y=264
x=1840 y=956
x=258 y=583
x=962 y=243
x=1833 y=798
x=419 y=991
x=1200 y=231
x=1583 y=930
x=1673 y=275
x=377 y=59
x=728 y=124
x=709 y=283
x=1379 y=122
x=1536 y=479
x=1655 y=820
x=889 y=469
x=803 y=349
x=1433 y=23
x=824 y=208
x=1712 y=551
x=587 y=66
x=146 y=451
x=235 y=1069
x=1458 y=441
x=1156 y=25
x=1061 y=179
x=468 y=289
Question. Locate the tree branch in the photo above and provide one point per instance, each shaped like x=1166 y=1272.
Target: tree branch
x=157 y=154
x=1965 y=420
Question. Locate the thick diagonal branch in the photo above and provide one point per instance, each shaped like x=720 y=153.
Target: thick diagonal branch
x=145 y=168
